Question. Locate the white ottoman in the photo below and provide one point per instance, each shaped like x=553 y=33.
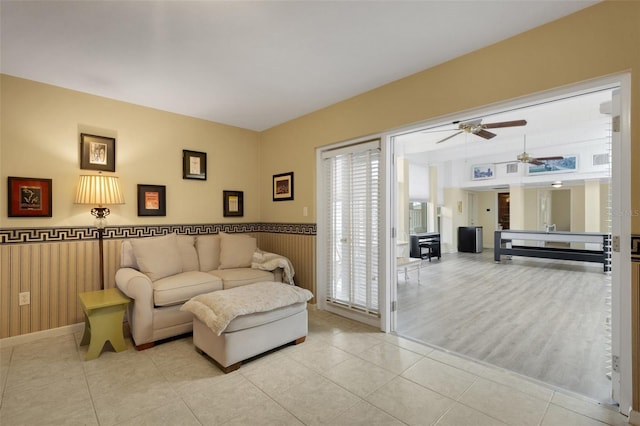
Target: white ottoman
x=253 y=333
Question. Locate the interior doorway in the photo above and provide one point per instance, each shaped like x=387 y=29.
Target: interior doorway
x=507 y=172
x=503 y=210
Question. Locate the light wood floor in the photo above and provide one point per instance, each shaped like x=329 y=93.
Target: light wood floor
x=542 y=318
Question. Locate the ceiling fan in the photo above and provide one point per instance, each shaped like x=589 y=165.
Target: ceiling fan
x=525 y=157
x=477 y=128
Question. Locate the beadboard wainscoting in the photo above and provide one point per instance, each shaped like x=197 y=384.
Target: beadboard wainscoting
x=54 y=273
x=301 y=251
x=55 y=264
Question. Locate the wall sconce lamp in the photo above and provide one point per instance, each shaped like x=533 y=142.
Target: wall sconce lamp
x=99 y=190
x=557 y=184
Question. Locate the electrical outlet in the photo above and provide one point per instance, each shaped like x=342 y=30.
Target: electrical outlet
x=24 y=298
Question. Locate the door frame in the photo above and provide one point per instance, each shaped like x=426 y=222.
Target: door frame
x=622 y=315
x=385 y=236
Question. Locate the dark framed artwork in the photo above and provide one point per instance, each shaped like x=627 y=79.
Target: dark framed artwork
x=97 y=153
x=233 y=203
x=283 y=187
x=194 y=165
x=152 y=200
x=29 y=197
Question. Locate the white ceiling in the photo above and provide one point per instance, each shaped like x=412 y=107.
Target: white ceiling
x=249 y=64
x=553 y=126
x=572 y=124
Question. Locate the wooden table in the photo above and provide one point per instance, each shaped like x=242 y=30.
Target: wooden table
x=103 y=315
x=408 y=262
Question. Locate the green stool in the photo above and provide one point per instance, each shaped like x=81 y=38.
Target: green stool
x=103 y=315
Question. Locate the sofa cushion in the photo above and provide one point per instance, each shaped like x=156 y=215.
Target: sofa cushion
x=158 y=257
x=127 y=257
x=236 y=251
x=188 y=254
x=182 y=287
x=208 y=251
x=241 y=276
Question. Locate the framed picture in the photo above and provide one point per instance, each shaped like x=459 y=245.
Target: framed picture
x=194 y=165
x=233 y=203
x=483 y=171
x=97 y=153
x=568 y=163
x=29 y=197
x=283 y=187
x=152 y=200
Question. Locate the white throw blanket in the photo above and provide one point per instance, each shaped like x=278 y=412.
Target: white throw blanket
x=270 y=262
x=217 y=309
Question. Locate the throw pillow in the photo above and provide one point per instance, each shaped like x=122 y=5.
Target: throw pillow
x=208 y=252
x=188 y=254
x=236 y=251
x=158 y=257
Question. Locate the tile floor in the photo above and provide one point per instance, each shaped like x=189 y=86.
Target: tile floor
x=344 y=374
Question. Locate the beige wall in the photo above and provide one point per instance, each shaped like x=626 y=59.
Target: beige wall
x=40 y=138
x=595 y=42
x=561 y=209
x=454 y=213
x=487 y=202
x=604 y=206
x=577 y=209
x=518 y=200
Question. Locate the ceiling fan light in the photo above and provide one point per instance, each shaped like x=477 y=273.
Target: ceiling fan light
x=557 y=184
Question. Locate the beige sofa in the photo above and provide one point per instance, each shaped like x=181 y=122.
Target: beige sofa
x=161 y=273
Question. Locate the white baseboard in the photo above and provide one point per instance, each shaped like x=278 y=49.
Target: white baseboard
x=634 y=418
x=32 y=337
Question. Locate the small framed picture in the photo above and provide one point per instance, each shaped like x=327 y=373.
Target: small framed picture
x=233 y=202
x=283 y=187
x=483 y=171
x=194 y=165
x=152 y=200
x=29 y=197
x=97 y=153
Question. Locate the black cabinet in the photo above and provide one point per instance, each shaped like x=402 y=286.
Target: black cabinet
x=425 y=245
x=470 y=239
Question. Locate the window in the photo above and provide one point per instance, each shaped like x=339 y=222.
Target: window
x=417 y=217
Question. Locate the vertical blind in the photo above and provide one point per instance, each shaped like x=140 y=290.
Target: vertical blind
x=352 y=185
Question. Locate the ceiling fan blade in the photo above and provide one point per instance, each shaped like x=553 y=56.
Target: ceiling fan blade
x=549 y=158
x=438 y=130
x=484 y=134
x=469 y=124
x=449 y=137
x=514 y=123
x=535 y=161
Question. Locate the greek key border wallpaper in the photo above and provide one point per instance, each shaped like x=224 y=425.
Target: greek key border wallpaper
x=40 y=235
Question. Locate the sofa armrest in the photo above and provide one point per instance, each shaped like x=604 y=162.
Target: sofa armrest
x=138 y=287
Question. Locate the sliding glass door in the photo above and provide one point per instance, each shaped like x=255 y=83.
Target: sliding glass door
x=350 y=228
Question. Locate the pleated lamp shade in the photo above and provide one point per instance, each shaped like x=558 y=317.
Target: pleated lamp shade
x=99 y=190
